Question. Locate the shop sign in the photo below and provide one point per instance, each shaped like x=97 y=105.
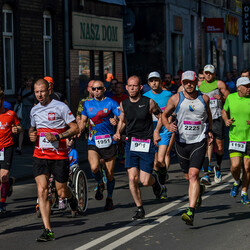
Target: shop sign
x=232 y=25
x=91 y=32
x=246 y=23
x=214 y=25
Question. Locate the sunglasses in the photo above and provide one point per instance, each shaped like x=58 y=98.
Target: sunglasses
x=97 y=88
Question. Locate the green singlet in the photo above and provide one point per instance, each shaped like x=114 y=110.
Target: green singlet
x=239 y=108
x=208 y=87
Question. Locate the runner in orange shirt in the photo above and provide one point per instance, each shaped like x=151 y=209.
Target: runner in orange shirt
x=9 y=124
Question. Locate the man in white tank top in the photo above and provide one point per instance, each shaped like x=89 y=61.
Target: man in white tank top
x=192 y=126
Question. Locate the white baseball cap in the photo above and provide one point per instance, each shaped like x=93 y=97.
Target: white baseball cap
x=242 y=81
x=210 y=68
x=154 y=74
x=188 y=75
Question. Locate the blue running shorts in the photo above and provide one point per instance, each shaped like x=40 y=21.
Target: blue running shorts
x=143 y=161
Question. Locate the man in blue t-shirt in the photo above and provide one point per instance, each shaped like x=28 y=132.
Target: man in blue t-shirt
x=100 y=110
x=162 y=157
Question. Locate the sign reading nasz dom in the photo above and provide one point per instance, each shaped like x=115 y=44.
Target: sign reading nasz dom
x=90 y=32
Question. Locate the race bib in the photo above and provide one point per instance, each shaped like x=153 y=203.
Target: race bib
x=213 y=102
x=2 y=154
x=44 y=143
x=103 y=141
x=192 y=127
x=238 y=146
x=139 y=145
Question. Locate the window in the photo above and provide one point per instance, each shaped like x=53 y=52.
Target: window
x=8 y=50
x=108 y=63
x=47 y=44
x=84 y=71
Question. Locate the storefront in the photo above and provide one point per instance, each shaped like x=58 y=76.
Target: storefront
x=97 y=51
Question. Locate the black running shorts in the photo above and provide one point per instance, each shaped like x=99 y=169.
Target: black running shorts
x=105 y=153
x=59 y=168
x=191 y=155
x=218 y=128
x=8 y=156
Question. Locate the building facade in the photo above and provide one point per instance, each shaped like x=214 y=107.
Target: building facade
x=172 y=35
x=71 y=41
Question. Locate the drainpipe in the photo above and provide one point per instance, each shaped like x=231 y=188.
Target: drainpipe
x=66 y=50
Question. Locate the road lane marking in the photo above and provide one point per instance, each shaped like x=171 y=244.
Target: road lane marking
x=156 y=222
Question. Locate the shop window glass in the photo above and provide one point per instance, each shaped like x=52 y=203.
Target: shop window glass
x=108 y=59
x=84 y=71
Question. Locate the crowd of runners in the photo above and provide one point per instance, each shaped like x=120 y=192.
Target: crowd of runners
x=145 y=123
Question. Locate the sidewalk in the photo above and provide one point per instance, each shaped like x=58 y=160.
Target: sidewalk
x=22 y=164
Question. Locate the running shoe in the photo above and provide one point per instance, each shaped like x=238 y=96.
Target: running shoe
x=157 y=187
x=139 y=214
x=199 y=200
x=164 y=194
x=235 y=189
x=47 y=235
x=206 y=180
x=2 y=208
x=109 y=204
x=188 y=217
x=62 y=205
x=11 y=181
x=244 y=199
x=209 y=169
x=99 y=192
x=217 y=175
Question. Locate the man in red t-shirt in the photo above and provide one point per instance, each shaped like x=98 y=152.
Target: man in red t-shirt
x=51 y=123
x=9 y=124
x=119 y=93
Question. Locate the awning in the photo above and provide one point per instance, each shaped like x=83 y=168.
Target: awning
x=119 y=2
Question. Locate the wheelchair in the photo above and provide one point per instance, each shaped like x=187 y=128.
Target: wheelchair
x=77 y=183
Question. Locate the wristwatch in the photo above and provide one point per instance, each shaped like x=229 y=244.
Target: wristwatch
x=57 y=137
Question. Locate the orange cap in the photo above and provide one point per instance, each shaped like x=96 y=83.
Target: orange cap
x=49 y=79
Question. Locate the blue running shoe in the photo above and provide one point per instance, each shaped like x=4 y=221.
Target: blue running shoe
x=206 y=180
x=209 y=169
x=235 y=190
x=217 y=175
x=244 y=199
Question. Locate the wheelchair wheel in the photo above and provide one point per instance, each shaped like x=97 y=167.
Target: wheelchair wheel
x=80 y=185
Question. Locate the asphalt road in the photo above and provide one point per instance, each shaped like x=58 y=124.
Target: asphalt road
x=221 y=223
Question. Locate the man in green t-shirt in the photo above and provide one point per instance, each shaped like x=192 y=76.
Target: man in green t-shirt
x=236 y=114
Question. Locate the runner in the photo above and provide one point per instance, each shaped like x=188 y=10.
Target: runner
x=49 y=121
x=237 y=107
x=9 y=124
x=162 y=155
x=136 y=114
x=193 y=123
x=99 y=111
x=217 y=92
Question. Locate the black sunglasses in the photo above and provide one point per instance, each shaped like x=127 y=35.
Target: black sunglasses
x=97 y=88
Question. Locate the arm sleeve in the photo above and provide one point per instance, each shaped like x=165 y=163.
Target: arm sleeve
x=116 y=108
x=67 y=115
x=84 y=110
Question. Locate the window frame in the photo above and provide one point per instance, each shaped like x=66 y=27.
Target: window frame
x=47 y=38
x=8 y=35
